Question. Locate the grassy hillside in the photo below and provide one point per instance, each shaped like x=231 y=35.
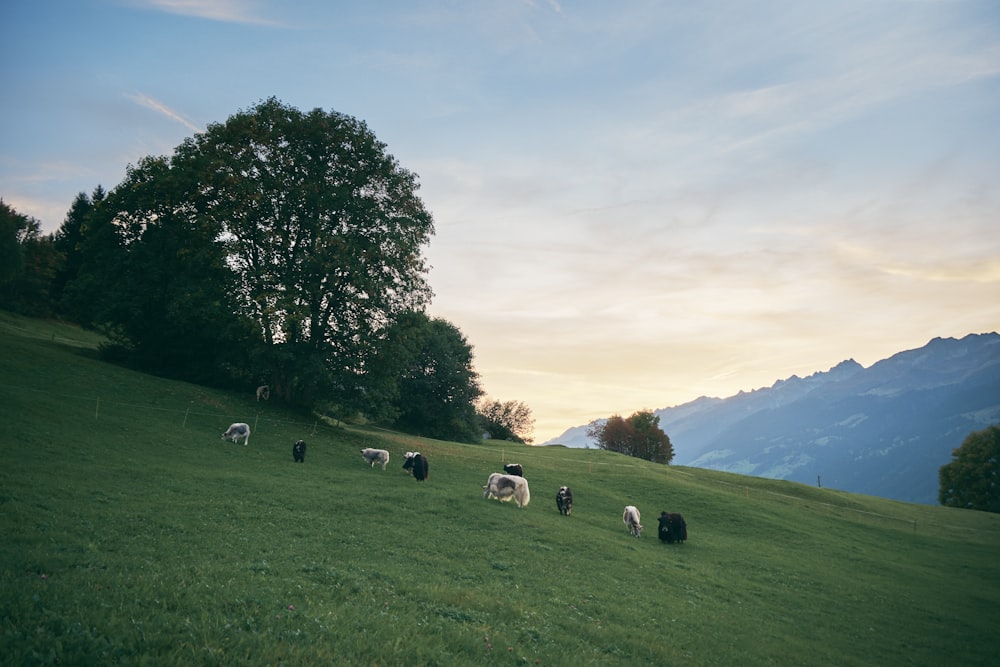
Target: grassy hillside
x=133 y=535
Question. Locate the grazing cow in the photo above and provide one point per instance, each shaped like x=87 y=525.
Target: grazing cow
x=504 y=487
x=373 y=456
x=417 y=464
x=564 y=500
x=673 y=528
x=263 y=392
x=631 y=518
x=299 y=451
x=514 y=469
x=237 y=431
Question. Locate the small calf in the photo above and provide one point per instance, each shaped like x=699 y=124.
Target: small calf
x=564 y=500
x=631 y=518
x=237 y=431
x=299 y=451
x=373 y=456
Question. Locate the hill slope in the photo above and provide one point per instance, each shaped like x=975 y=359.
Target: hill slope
x=133 y=534
x=884 y=430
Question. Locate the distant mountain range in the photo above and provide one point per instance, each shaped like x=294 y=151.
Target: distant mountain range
x=883 y=431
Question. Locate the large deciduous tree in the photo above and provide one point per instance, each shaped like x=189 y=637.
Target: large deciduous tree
x=299 y=223
x=639 y=435
x=972 y=479
x=324 y=230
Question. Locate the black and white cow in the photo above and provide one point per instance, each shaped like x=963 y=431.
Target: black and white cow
x=631 y=518
x=373 y=456
x=417 y=464
x=299 y=451
x=237 y=431
x=504 y=487
x=514 y=469
x=672 y=528
x=564 y=500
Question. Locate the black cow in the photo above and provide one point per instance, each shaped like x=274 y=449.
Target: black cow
x=299 y=451
x=564 y=500
x=514 y=469
x=672 y=528
x=417 y=464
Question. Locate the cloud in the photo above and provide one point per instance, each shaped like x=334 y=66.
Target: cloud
x=226 y=11
x=163 y=109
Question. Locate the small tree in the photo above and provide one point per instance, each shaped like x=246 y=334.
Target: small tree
x=972 y=479
x=439 y=386
x=28 y=264
x=506 y=420
x=640 y=436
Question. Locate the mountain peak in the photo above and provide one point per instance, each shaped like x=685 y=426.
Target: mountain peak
x=884 y=430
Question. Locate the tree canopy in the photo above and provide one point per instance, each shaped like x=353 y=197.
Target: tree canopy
x=639 y=435
x=437 y=385
x=506 y=420
x=293 y=237
x=28 y=263
x=972 y=479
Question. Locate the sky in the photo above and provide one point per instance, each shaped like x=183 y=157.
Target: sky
x=636 y=203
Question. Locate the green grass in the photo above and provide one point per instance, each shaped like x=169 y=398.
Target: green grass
x=133 y=535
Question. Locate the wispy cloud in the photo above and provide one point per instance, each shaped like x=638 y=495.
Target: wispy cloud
x=163 y=109
x=227 y=11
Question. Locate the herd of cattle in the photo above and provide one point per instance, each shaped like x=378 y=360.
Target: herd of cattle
x=508 y=485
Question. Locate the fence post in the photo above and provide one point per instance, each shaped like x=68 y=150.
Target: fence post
x=186 y=412
x=97 y=411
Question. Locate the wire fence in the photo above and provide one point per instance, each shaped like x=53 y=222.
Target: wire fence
x=469 y=451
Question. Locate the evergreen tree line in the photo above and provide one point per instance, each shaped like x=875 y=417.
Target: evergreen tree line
x=280 y=248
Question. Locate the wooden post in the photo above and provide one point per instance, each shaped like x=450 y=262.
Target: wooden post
x=97 y=411
x=184 y=425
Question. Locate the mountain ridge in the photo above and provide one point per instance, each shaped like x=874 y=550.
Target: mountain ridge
x=884 y=430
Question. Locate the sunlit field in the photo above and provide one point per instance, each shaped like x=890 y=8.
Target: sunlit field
x=133 y=535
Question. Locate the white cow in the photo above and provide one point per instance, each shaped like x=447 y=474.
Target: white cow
x=631 y=518
x=504 y=487
x=374 y=456
x=237 y=431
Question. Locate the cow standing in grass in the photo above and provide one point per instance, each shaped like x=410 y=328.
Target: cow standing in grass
x=417 y=464
x=631 y=518
x=237 y=431
x=504 y=487
x=564 y=500
x=514 y=469
x=299 y=451
x=373 y=456
x=672 y=528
